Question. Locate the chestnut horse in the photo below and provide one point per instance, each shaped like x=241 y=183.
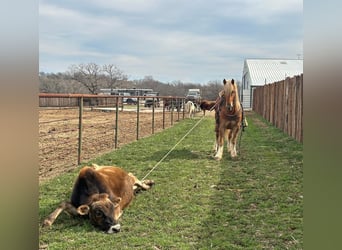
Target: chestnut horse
x=228 y=119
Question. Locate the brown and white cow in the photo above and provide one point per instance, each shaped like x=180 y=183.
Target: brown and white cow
x=101 y=192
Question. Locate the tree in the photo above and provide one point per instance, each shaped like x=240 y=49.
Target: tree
x=88 y=75
x=113 y=75
x=211 y=89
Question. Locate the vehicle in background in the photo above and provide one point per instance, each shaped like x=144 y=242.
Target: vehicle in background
x=152 y=99
x=193 y=95
x=128 y=99
x=131 y=101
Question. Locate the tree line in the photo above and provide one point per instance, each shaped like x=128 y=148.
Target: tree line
x=90 y=78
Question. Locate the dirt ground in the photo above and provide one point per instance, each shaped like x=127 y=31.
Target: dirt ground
x=58 y=135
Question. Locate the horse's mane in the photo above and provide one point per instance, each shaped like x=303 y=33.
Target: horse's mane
x=228 y=87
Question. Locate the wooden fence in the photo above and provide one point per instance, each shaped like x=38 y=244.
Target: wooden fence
x=281 y=103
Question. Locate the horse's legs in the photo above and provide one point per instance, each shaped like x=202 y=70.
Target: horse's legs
x=235 y=133
x=220 y=142
x=217 y=129
x=228 y=136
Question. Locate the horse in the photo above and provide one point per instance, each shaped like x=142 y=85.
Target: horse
x=228 y=118
x=190 y=108
x=206 y=105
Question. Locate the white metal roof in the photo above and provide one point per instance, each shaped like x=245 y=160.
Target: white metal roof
x=263 y=71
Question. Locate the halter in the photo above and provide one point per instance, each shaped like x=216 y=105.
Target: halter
x=232 y=112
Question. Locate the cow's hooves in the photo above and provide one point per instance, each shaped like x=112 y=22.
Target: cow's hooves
x=47 y=223
x=149 y=182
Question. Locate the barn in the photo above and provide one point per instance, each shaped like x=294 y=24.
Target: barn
x=258 y=72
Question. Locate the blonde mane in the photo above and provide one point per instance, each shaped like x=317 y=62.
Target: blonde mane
x=228 y=87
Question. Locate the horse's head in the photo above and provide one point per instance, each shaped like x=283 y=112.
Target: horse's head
x=231 y=94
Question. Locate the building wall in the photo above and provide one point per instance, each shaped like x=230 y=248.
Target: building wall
x=246 y=91
x=258 y=72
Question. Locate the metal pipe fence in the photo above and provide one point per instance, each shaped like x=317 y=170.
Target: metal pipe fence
x=74 y=128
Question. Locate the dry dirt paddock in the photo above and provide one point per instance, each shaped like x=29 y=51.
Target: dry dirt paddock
x=58 y=134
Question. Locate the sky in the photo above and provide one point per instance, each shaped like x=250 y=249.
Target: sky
x=171 y=40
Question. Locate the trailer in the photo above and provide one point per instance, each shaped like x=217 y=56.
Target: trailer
x=193 y=95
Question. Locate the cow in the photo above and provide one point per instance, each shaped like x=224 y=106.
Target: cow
x=101 y=193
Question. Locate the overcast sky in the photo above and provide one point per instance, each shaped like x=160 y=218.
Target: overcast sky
x=188 y=40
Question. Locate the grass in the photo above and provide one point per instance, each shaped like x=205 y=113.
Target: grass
x=252 y=202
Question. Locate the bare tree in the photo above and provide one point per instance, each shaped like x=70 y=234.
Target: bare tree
x=88 y=75
x=113 y=75
x=211 y=89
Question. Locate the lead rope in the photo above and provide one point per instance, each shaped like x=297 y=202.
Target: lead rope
x=162 y=159
x=243 y=127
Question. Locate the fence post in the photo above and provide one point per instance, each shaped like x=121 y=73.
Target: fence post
x=178 y=108
x=171 y=111
x=80 y=118
x=183 y=105
x=116 y=122
x=153 y=103
x=138 y=111
x=164 y=113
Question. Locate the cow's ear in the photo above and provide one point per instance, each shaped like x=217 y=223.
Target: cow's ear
x=83 y=210
x=224 y=81
x=98 y=197
x=116 y=201
x=103 y=196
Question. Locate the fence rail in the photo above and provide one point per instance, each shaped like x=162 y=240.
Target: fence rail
x=75 y=127
x=281 y=103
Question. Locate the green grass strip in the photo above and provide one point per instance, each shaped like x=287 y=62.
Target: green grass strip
x=252 y=202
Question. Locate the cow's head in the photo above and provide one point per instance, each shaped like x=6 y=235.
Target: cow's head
x=103 y=212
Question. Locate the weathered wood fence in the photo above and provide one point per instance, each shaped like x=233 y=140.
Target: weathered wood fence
x=281 y=103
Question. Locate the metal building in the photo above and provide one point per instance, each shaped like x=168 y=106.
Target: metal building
x=258 y=72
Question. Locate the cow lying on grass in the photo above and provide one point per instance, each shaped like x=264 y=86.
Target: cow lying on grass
x=101 y=192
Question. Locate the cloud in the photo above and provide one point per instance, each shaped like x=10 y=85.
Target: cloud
x=188 y=40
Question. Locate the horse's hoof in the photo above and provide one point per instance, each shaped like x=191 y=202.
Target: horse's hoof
x=217 y=158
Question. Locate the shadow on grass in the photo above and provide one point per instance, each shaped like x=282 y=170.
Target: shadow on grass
x=257 y=201
x=180 y=154
x=227 y=223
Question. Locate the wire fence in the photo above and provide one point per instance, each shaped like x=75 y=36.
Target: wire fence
x=76 y=128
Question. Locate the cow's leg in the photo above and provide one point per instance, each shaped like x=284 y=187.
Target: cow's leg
x=97 y=167
x=146 y=184
x=64 y=206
